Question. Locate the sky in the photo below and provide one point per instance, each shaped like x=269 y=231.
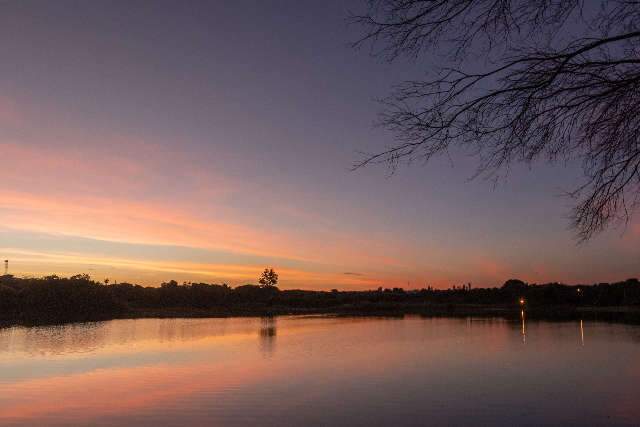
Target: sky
x=203 y=141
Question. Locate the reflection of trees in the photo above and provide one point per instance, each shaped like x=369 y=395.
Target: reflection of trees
x=54 y=340
x=268 y=334
x=94 y=336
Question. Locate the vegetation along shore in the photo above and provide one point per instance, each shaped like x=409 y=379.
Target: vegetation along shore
x=54 y=299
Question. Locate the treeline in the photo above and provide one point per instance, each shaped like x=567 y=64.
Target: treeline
x=78 y=298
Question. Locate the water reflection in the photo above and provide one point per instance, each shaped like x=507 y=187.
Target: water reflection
x=268 y=332
x=326 y=371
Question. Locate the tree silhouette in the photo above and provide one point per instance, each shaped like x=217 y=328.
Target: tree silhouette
x=54 y=299
x=558 y=80
x=269 y=278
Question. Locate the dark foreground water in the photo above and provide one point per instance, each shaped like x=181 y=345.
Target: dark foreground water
x=320 y=371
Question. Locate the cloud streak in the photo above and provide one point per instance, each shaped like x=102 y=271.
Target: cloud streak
x=217 y=224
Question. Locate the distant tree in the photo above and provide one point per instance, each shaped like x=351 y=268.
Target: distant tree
x=169 y=284
x=514 y=285
x=269 y=278
x=522 y=80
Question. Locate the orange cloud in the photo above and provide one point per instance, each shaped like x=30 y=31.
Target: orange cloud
x=97 y=193
x=152 y=272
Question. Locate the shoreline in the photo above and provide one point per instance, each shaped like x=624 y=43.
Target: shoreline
x=619 y=314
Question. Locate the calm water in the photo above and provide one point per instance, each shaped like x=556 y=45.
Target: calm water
x=320 y=371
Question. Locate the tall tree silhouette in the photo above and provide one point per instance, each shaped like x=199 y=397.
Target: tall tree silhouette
x=524 y=80
x=268 y=278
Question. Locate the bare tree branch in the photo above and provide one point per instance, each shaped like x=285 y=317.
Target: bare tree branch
x=543 y=100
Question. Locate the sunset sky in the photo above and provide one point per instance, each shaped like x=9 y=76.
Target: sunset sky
x=148 y=141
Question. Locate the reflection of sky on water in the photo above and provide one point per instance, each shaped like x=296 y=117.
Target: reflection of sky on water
x=340 y=371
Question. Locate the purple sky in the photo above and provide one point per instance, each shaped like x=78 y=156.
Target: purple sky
x=146 y=141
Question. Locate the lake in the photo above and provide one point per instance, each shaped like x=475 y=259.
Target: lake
x=320 y=371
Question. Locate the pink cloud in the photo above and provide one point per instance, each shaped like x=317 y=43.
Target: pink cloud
x=97 y=192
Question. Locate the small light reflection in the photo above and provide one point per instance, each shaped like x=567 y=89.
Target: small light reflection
x=524 y=329
x=581 y=333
